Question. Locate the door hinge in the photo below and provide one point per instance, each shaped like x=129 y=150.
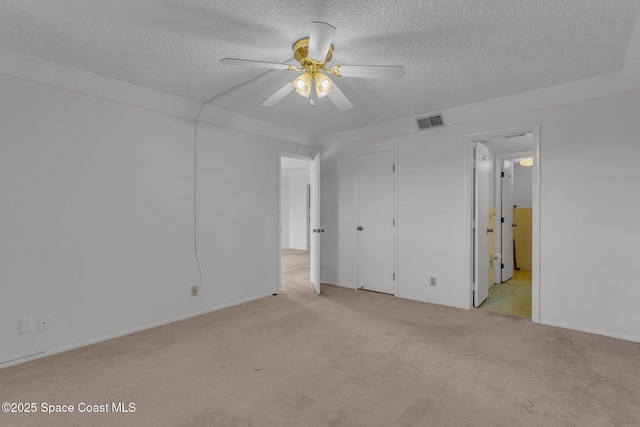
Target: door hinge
x=394 y=276
x=502 y=175
x=394 y=168
x=394 y=222
x=502 y=220
x=501 y=265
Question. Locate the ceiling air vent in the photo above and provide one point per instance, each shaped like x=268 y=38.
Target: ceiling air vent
x=430 y=122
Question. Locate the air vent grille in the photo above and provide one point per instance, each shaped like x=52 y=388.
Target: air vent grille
x=430 y=122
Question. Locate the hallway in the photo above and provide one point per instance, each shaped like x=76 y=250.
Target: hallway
x=295 y=271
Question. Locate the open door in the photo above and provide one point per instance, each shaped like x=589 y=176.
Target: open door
x=316 y=229
x=483 y=179
x=507 y=221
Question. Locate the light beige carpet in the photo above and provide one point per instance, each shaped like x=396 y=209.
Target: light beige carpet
x=344 y=358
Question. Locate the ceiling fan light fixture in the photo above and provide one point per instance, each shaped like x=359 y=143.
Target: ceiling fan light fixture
x=313 y=53
x=323 y=85
x=303 y=84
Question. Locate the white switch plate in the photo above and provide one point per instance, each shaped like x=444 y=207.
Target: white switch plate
x=26 y=325
x=43 y=322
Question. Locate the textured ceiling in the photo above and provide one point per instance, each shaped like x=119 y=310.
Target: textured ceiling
x=455 y=52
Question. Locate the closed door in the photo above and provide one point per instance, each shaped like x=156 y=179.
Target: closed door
x=375 y=221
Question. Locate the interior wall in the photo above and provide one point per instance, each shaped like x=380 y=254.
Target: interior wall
x=97 y=217
x=298 y=210
x=284 y=212
x=523 y=186
x=522 y=235
x=588 y=150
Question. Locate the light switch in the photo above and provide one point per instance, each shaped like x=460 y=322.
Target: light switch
x=26 y=325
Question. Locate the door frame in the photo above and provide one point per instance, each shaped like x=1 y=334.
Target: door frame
x=380 y=149
x=292 y=155
x=470 y=139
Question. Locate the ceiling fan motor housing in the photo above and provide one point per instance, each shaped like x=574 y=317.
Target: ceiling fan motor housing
x=301 y=52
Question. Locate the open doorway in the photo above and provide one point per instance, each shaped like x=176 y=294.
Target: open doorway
x=505 y=200
x=295 y=226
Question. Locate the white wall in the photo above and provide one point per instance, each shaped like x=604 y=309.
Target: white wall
x=523 y=186
x=284 y=212
x=588 y=155
x=96 y=217
x=298 y=182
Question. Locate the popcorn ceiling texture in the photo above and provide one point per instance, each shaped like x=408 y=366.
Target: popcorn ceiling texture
x=455 y=52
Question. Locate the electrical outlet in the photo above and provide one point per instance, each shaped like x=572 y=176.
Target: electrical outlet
x=194 y=291
x=26 y=325
x=432 y=282
x=43 y=322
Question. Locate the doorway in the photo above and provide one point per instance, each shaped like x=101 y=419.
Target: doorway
x=299 y=246
x=504 y=217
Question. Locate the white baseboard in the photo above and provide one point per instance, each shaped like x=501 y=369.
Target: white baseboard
x=127 y=332
x=591 y=331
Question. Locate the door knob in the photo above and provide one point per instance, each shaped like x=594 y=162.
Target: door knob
x=514 y=225
x=322 y=230
x=489 y=230
x=360 y=228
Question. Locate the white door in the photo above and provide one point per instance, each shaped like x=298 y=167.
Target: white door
x=507 y=222
x=483 y=179
x=375 y=202
x=316 y=229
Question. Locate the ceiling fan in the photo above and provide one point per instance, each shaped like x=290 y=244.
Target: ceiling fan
x=313 y=53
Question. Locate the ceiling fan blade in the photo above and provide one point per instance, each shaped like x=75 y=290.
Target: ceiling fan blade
x=372 y=71
x=320 y=40
x=339 y=99
x=259 y=64
x=278 y=95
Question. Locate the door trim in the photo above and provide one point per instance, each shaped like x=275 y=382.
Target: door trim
x=382 y=149
x=470 y=139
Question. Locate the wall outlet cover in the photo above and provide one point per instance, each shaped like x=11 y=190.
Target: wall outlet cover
x=43 y=322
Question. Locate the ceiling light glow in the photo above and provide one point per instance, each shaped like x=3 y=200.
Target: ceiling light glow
x=303 y=84
x=323 y=84
x=528 y=161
